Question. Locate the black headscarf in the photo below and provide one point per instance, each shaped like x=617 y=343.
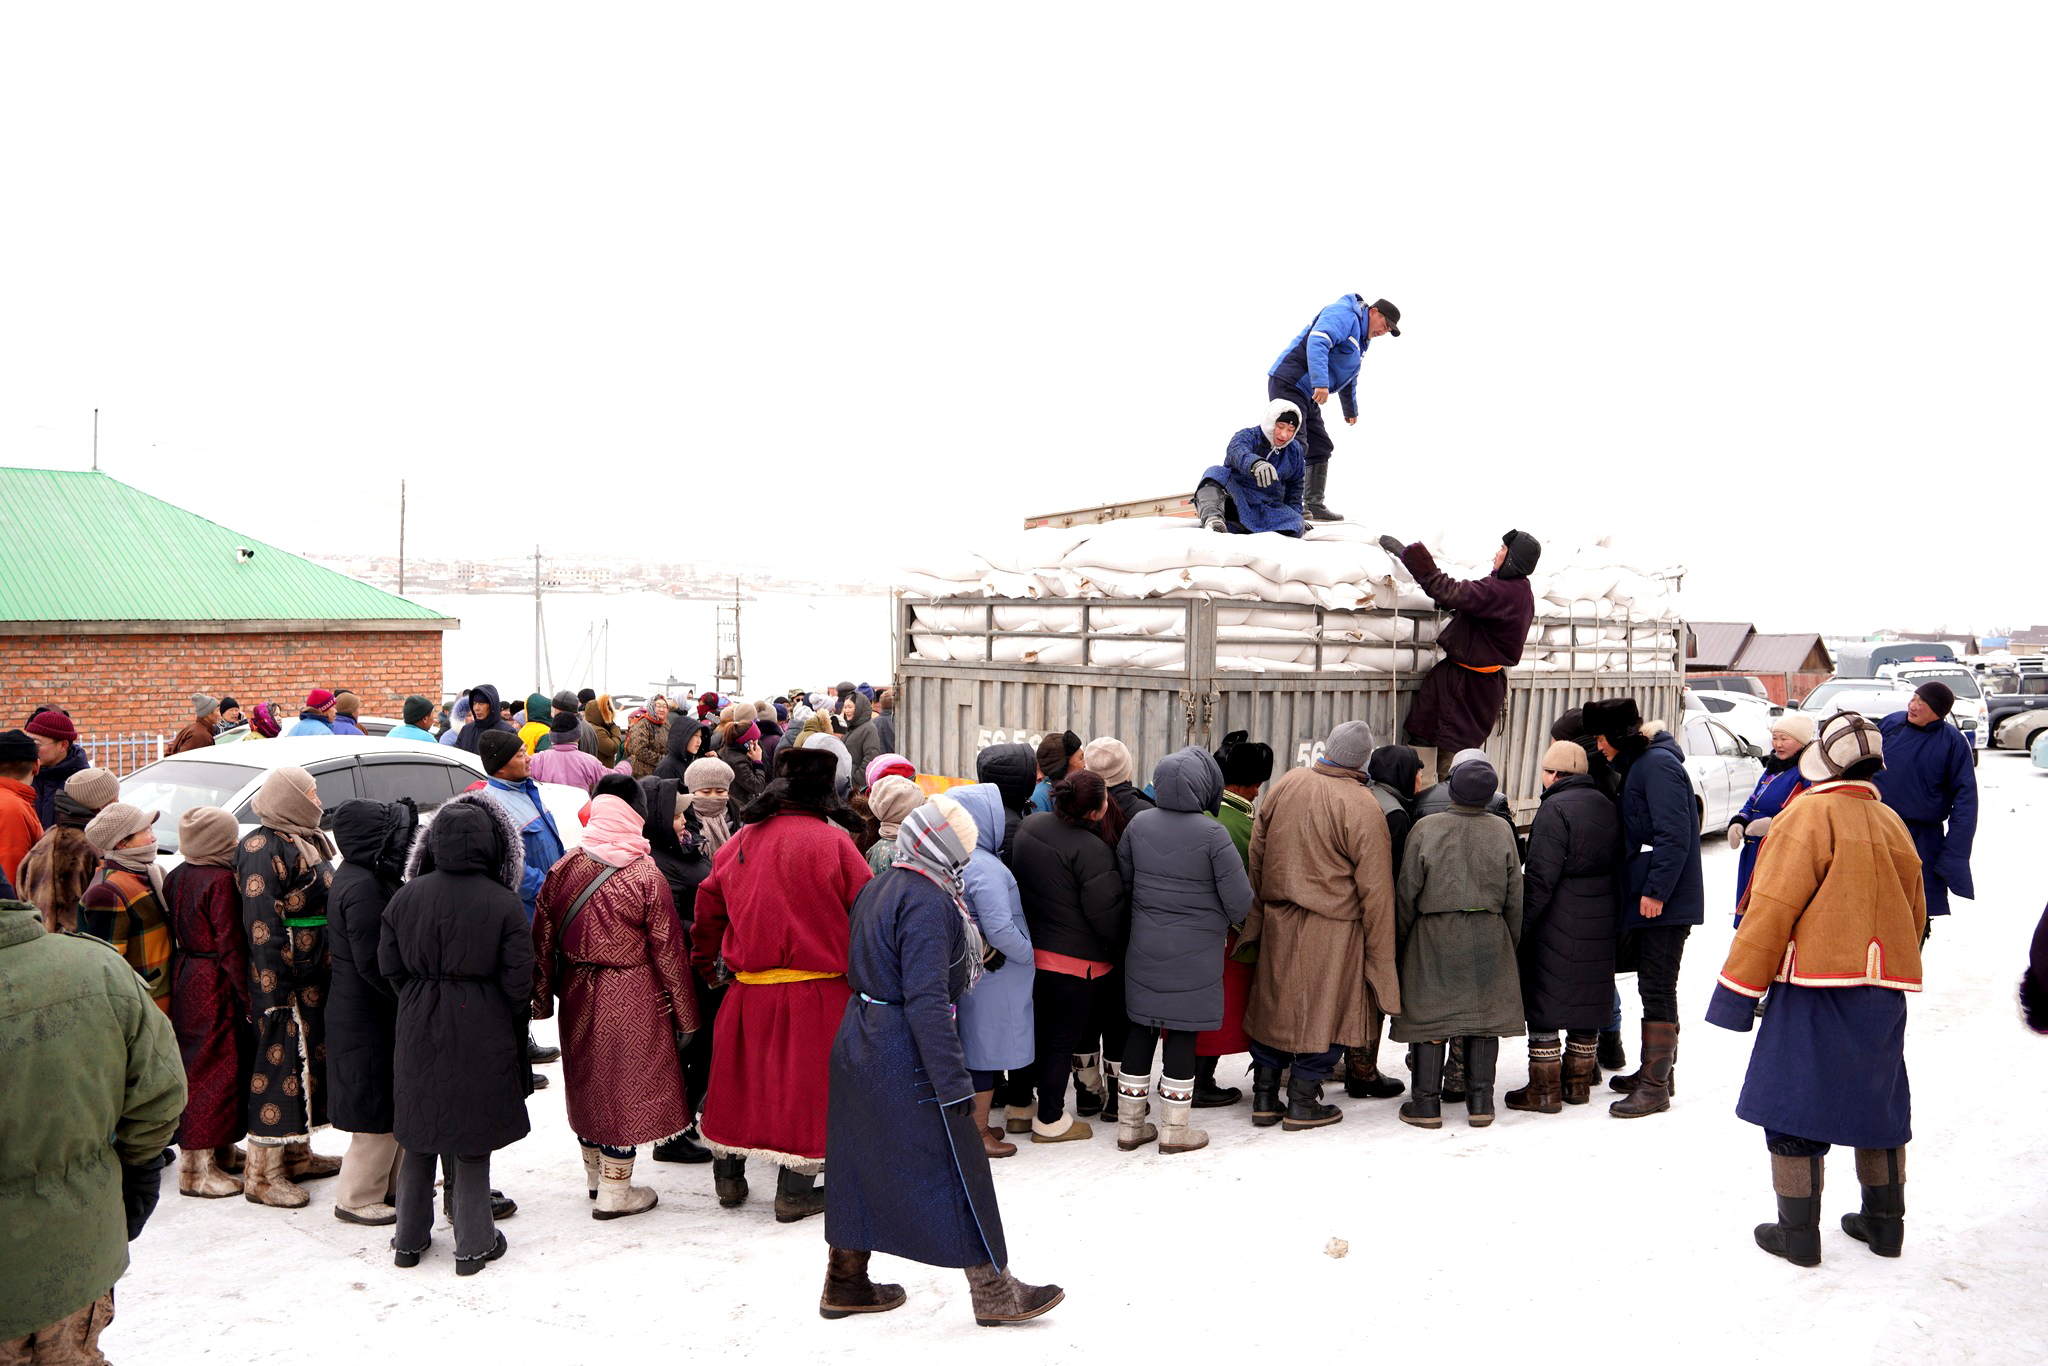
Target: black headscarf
x=1396 y=767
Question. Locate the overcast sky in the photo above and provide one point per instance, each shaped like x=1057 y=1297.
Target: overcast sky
x=1758 y=287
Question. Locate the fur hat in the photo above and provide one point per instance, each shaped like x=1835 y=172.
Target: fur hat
x=1350 y=745
x=709 y=771
x=93 y=788
x=1473 y=783
x=496 y=748
x=1244 y=762
x=1611 y=718
x=1846 y=739
x=202 y=704
x=809 y=777
x=1524 y=551
x=1565 y=756
x=52 y=725
x=1939 y=697
x=1797 y=724
x=1278 y=411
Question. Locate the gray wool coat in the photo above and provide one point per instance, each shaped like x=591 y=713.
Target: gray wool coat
x=1457 y=919
x=1187 y=888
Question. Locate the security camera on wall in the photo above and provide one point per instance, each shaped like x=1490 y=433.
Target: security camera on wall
x=243 y=554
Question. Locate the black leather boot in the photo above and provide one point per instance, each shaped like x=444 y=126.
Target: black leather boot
x=1208 y=1095
x=1316 y=484
x=1882 y=1224
x=1363 y=1079
x=797 y=1197
x=1266 y=1106
x=1481 y=1057
x=1796 y=1236
x=1426 y=1110
x=1305 y=1108
x=729 y=1180
x=1611 y=1054
x=681 y=1148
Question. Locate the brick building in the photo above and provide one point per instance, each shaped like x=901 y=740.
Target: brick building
x=118 y=606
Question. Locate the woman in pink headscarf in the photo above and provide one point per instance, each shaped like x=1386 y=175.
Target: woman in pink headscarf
x=607 y=942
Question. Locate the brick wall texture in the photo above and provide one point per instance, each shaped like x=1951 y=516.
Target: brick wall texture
x=119 y=684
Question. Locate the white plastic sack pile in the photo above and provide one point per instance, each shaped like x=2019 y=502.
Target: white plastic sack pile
x=1594 y=609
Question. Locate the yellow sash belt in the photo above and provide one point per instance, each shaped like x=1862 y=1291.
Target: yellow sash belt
x=777 y=976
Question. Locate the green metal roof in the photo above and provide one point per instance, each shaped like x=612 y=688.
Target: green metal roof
x=79 y=546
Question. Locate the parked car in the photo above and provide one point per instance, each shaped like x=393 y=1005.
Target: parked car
x=343 y=768
x=2041 y=752
x=1723 y=766
x=1969 y=708
x=1866 y=659
x=1874 y=699
x=1746 y=715
x=1747 y=685
x=2006 y=696
x=2020 y=729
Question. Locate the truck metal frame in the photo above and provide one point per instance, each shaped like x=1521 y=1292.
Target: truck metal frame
x=947 y=711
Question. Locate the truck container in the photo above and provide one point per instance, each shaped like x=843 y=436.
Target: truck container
x=1864 y=659
x=949 y=710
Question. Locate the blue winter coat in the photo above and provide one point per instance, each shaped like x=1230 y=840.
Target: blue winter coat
x=311 y=723
x=1326 y=353
x=1276 y=508
x=1928 y=779
x=1187 y=886
x=909 y=1174
x=995 y=1018
x=537 y=833
x=1660 y=836
x=1773 y=790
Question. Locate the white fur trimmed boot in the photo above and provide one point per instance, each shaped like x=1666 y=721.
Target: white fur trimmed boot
x=1176 y=1098
x=617 y=1196
x=1065 y=1129
x=1132 y=1132
x=200 y=1174
x=592 y=1175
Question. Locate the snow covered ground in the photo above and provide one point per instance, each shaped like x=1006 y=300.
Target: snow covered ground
x=1542 y=1235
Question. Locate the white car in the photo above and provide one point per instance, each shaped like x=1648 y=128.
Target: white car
x=1723 y=767
x=343 y=768
x=1744 y=713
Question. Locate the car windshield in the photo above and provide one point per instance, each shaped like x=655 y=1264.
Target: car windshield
x=1822 y=697
x=172 y=787
x=1960 y=681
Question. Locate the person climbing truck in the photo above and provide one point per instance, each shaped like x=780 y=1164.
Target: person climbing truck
x=1258 y=487
x=1462 y=695
x=1324 y=356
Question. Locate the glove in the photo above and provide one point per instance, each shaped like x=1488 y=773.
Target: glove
x=1392 y=546
x=1759 y=827
x=1735 y=835
x=139 y=1188
x=1264 y=474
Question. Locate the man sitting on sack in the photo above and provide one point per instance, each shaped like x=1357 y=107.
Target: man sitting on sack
x=1258 y=486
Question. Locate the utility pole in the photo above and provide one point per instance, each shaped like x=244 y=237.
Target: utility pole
x=536 y=615
x=401 y=538
x=95 y=439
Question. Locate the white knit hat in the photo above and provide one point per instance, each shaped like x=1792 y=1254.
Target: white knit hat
x=1797 y=724
x=1846 y=738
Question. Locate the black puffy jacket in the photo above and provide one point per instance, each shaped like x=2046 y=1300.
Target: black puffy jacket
x=1570 y=891
x=1014 y=771
x=362 y=1013
x=1073 y=895
x=457 y=949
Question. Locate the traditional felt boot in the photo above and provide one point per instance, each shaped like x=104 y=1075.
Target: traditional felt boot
x=849 y=1291
x=1482 y=1057
x=1882 y=1224
x=1065 y=1129
x=682 y=1148
x=797 y=1196
x=1208 y=1095
x=1454 y=1071
x=1001 y=1298
x=1176 y=1098
x=231 y=1159
x=301 y=1163
x=1267 y=1107
x=469 y=1266
x=264 y=1181
x=1796 y=1236
x=1087 y=1084
x=1581 y=1070
x=1317 y=483
x=1544 y=1095
x=1305 y=1108
x=1612 y=1055
x=729 y=1180
x=1111 y=1072
x=1132 y=1130
x=617 y=1196
x=1426 y=1110
x=992 y=1142
x=593 y=1174
x=1653 y=1087
x=199 y=1174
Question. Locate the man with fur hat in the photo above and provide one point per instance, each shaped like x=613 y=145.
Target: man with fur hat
x=1246 y=766
x=199 y=731
x=1461 y=697
x=1258 y=487
x=20 y=827
x=1323 y=921
x=1930 y=779
x=772 y=918
x=1323 y=356
x=61 y=866
x=1833 y=929
x=1663 y=895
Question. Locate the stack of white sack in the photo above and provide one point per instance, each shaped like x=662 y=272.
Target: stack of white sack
x=1594 y=609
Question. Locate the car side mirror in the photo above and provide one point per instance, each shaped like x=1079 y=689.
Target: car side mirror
x=1752 y=749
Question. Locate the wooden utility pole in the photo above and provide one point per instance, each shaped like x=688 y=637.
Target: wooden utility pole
x=401 y=538
x=95 y=439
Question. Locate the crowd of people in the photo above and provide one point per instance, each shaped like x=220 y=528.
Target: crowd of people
x=775 y=944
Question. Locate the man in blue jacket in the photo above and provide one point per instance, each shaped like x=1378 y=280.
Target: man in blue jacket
x=1663 y=895
x=1324 y=356
x=505 y=759
x=1258 y=487
x=1930 y=782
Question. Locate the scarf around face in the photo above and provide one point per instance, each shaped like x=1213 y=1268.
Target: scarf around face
x=285 y=804
x=926 y=845
x=714 y=825
x=613 y=834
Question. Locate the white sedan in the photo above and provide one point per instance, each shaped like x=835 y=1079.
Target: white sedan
x=1744 y=713
x=343 y=768
x=1723 y=767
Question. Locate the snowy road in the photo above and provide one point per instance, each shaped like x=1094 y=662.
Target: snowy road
x=1539 y=1236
